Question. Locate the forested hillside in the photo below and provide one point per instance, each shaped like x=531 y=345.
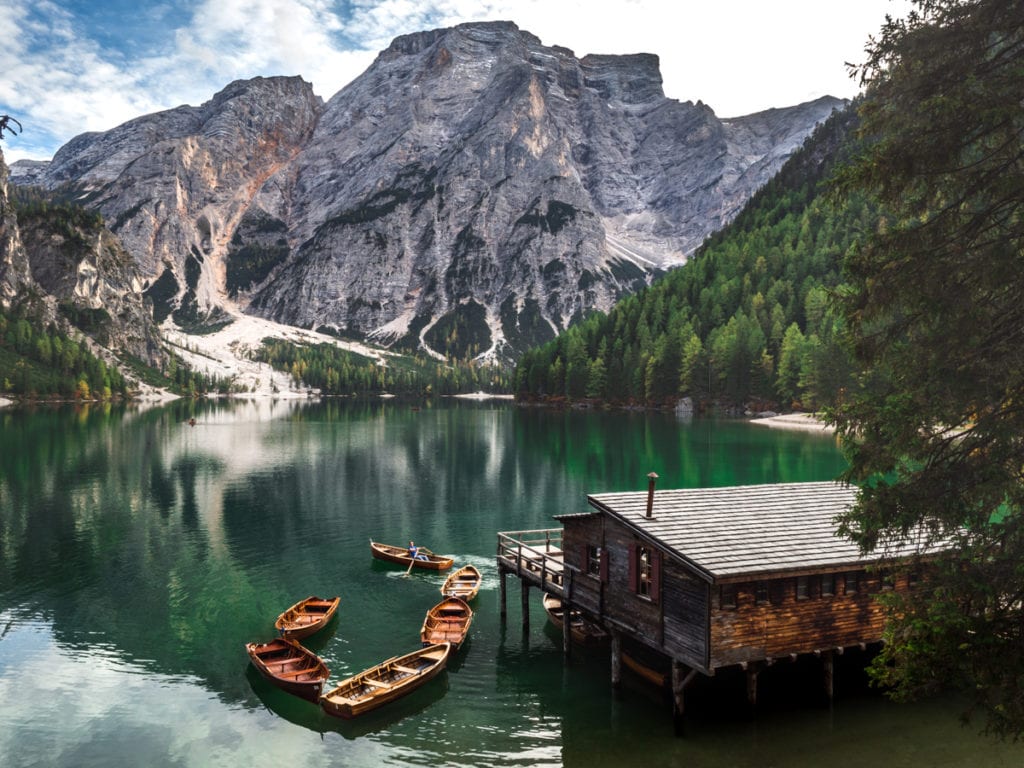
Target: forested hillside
x=745 y=321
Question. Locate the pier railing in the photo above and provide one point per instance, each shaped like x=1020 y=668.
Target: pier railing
x=536 y=555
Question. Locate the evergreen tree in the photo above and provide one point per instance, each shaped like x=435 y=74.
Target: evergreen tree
x=935 y=307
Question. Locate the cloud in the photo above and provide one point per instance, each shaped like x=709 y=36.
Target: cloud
x=739 y=56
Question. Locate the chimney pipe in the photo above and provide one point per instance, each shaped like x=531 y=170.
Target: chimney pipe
x=650 y=494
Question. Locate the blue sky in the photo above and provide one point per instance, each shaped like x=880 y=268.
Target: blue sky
x=68 y=66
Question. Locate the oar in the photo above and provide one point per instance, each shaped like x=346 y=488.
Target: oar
x=412 y=562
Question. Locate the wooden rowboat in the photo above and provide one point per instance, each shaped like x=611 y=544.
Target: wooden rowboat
x=401 y=556
x=464 y=583
x=290 y=667
x=583 y=632
x=385 y=682
x=447 y=622
x=306 y=617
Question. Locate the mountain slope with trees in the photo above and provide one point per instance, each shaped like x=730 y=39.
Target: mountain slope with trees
x=746 y=320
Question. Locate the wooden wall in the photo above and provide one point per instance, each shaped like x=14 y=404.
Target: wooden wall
x=674 y=621
x=786 y=625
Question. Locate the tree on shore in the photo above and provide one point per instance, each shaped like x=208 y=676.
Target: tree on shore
x=934 y=304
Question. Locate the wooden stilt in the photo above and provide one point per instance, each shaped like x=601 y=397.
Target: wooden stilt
x=682 y=676
x=526 y=606
x=828 y=667
x=501 y=590
x=752 y=672
x=616 y=662
x=566 y=632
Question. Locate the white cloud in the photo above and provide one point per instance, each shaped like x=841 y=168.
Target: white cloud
x=739 y=56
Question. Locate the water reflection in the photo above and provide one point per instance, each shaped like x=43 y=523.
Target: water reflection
x=138 y=554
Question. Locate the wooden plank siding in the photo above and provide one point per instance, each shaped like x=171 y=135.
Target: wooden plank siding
x=673 y=621
x=787 y=625
x=703 y=540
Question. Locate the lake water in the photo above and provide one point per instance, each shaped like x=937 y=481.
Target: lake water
x=138 y=554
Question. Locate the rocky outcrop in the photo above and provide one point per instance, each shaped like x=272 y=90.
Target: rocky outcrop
x=473 y=192
x=15 y=273
x=61 y=266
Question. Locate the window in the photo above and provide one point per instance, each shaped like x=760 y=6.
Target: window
x=851 y=582
x=828 y=584
x=887 y=580
x=761 y=593
x=727 y=597
x=594 y=560
x=645 y=572
x=646 y=562
x=803 y=587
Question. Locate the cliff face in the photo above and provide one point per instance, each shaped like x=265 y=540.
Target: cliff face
x=64 y=267
x=471 y=184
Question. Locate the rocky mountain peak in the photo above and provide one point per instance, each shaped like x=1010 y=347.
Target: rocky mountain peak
x=473 y=192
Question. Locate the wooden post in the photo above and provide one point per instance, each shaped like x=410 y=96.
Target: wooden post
x=752 y=672
x=526 y=606
x=828 y=667
x=567 y=618
x=616 y=662
x=501 y=590
x=682 y=676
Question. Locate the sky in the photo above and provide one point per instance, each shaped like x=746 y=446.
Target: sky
x=69 y=66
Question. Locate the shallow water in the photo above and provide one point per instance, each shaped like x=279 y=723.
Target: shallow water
x=138 y=554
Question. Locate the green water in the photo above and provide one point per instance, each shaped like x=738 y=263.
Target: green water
x=138 y=554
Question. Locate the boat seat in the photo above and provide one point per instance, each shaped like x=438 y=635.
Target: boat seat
x=376 y=683
x=407 y=670
x=297 y=672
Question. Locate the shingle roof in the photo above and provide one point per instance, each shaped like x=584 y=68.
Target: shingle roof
x=750 y=529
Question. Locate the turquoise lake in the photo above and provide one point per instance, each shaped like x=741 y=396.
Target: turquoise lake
x=138 y=554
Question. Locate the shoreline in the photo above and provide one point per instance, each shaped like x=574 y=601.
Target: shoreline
x=803 y=421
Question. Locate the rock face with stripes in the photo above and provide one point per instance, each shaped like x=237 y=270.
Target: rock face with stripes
x=472 y=193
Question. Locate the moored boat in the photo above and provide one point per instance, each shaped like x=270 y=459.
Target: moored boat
x=447 y=622
x=290 y=667
x=583 y=632
x=464 y=583
x=306 y=617
x=424 y=557
x=385 y=682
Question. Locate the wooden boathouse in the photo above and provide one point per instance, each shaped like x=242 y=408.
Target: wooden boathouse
x=712 y=577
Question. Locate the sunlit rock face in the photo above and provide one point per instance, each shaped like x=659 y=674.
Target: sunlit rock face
x=473 y=192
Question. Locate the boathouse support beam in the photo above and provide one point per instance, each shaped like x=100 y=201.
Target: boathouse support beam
x=753 y=670
x=828 y=674
x=525 y=595
x=566 y=631
x=682 y=676
x=501 y=590
x=616 y=661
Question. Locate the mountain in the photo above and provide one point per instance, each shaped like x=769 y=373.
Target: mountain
x=60 y=267
x=473 y=192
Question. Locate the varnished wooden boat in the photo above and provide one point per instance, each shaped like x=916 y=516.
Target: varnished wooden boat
x=464 y=583
x=644 y=669
x=385 y=682
x=583 y=632
x=306 y=617
x=290 y=667
x=447 y=622
x=401 y=556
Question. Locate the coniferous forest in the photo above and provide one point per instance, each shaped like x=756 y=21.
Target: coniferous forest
x=746 y=321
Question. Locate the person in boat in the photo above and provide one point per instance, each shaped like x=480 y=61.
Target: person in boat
x=414 y=552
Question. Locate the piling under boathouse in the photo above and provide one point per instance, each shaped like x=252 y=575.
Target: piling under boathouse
x=712 y=577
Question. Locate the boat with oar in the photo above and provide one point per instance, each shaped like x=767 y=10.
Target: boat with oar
x=389 y=680
x=583 y=632
x=464 y=583
x=306 y=617
x=290 y=667
x=447 y=622
x=424 y=557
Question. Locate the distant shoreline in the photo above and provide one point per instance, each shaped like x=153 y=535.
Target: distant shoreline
x=805 y=421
